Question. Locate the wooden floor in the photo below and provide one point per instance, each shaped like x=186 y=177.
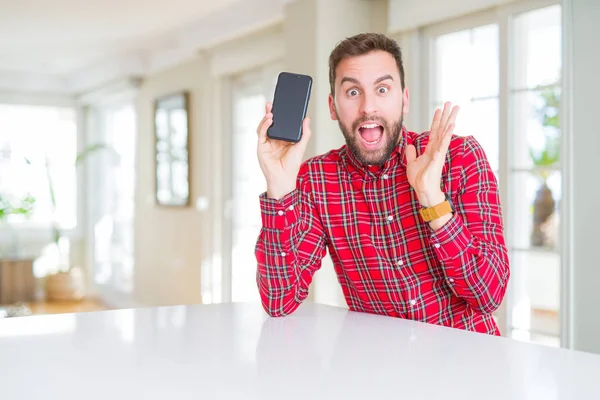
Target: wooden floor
x=62 y=307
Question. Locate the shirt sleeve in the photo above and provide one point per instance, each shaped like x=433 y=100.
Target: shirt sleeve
x=289 y=249
x=471 y=245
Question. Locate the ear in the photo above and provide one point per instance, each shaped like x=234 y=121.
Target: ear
x=332 y=112
x=405 y=101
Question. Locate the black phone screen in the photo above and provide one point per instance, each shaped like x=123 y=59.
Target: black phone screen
x=290 y=102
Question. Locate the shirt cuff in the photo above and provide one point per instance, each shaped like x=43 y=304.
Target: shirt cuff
x=277 y=214
x=451 y=240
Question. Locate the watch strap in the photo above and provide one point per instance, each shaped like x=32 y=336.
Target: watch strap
x=432 y=213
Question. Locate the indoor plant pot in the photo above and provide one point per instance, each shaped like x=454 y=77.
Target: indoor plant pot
x=66 y=285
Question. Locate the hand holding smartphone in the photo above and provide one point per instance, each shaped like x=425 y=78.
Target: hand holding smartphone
x=284 y=133
x=290 y=103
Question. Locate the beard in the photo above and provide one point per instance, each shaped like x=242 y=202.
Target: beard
x=391 y=135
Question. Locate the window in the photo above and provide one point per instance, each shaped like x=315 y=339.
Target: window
x=516 y=119
x=468 y=76
x=112 y=211
x=32 y=137
x=250 y=93
x=535 y=176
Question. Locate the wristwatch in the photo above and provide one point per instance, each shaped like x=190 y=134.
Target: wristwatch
x=431 y=213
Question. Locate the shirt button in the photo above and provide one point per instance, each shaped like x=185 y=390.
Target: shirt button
x=451 y=280
x=291 y=208
x=280 y=212
x=283 y=254
x=437 y=245
x=413 y=302
x=390 y=218
x=385 y=176
x=400 y=262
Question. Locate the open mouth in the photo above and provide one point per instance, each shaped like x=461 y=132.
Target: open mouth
x=370 y=133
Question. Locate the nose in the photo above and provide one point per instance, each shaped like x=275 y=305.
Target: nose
x=369 y=104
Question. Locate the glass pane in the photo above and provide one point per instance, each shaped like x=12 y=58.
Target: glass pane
x=179 y=128
x=163 y=173
x=180 y=180
x=244 y=153
x=537 y=47
x=484 y=62
x=63 y=181
x=480 y=119
x=18 y=179
x=535 y=202
x=246 y=205
x=535 y=285
x=161 y=124
x=115 y=205
x=248 y=183
x=525 y=336
x=466 y=65
x=536 y=128
x=243 y=279
x=466 y=73
x=23 y=166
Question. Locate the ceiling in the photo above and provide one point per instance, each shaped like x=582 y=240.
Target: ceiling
x=61 y=45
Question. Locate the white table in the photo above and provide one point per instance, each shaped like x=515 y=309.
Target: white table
x=234 y=351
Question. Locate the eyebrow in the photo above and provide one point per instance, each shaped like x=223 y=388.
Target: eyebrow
x=355 y=81
x=383 y=78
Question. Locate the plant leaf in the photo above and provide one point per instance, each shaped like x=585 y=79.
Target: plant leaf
x=82 y=155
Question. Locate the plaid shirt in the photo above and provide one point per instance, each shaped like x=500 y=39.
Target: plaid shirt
x=387 y=259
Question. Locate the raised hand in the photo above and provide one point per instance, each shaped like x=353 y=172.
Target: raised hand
x=280 y=161
x=425 y=172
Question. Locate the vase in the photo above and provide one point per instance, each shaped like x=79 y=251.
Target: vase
x=543 y=208
x=66 y=285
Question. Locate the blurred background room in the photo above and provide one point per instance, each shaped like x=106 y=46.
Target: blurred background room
x=128 y=171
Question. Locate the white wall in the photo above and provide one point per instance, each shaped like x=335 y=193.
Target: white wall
x=172 y=243
x=582 y=17
x=409 y=14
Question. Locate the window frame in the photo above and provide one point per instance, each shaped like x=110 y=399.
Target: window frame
x=95 y=107
x=36 y=236
x=225 y=63
x=503 y=15
x=262 y=74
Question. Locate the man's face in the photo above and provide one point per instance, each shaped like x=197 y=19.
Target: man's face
x=369 y=105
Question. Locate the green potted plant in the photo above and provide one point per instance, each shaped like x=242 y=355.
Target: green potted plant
x=544 y=160
x=11 y=205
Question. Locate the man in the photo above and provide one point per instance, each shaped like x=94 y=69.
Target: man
x=412 y=222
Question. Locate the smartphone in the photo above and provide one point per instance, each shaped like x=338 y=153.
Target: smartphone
x=290 y=103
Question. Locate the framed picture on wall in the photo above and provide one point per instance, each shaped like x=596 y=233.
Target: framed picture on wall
x=171 y=133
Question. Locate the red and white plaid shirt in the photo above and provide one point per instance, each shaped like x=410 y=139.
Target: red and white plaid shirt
x=387 y=259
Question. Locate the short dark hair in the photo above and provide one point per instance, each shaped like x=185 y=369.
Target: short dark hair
x=359 y=45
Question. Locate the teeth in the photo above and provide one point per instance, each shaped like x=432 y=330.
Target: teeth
x=369 y=126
